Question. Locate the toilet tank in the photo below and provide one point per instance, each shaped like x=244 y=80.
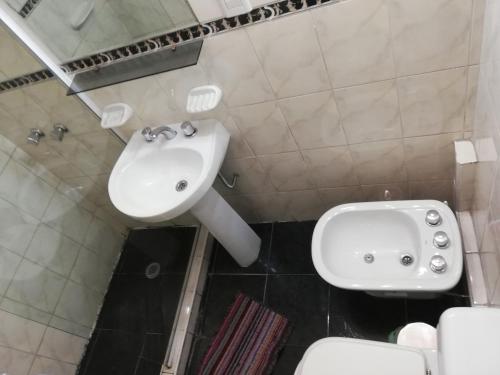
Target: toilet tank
x=469 y=341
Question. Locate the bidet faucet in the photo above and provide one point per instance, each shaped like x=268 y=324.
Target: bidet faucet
x=151 y=134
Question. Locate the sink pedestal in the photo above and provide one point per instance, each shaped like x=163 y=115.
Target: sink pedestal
x=228 y=228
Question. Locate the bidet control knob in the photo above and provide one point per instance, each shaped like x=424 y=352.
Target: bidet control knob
x=432 y=218
x=438 y=264
x=441 y=240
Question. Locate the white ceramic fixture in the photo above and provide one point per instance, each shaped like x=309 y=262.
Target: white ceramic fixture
x=389 y=247
x=468 y=343
x=115 y=115
x=203 y=99
x=160 y=179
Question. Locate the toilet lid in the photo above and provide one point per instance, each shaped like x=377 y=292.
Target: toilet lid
x=340 y=356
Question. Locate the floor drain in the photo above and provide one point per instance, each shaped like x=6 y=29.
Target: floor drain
x=181 y=185
x=153 y=270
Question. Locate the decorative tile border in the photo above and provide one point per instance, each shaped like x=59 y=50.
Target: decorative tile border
x=26 y=80
x=166 y=41
x=173 y=39
x=28 y=7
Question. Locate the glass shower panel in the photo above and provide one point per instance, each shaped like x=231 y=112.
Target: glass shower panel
x=60 y=237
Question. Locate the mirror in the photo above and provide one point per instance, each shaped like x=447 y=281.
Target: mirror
x=76 y=28
x=15 y=59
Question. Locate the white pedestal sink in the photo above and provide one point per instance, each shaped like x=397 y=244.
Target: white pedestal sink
x=160 y=180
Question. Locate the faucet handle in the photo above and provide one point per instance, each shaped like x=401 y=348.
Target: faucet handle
x=188 y=129
x=58 y=132
x=147 y=132
x=34 y=136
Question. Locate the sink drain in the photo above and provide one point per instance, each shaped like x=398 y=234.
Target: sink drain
x=406 y=260
x=181 y=185
x=369 y=258
x=152 y=270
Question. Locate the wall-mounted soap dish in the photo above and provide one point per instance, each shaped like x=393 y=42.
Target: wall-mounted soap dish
x=203 y=99
x=116 y=114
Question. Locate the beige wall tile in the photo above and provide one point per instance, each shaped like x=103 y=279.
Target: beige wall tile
x=36 y=286
x=490 y=258
x=25 y=190
x=14 y=361
x=429 y=35
x=433 y=103
x=483 y=187
x=331 y=167
x=341 y=195
x=370 y=112
x=177 y=84
x=43 y=365
x=252 y=177
x=379 y=162
x=15 y=59
x=288 y=206
x=306 y=205
x=19 y=333
x=243 y=205
x=431 y=157
x=264 y=128
x=314 y=120
x=230 y=61
x=441 y=190
x=291 y=39
x=356 y=43
x=470 y=105
x=477 y=23
x=25 y=110
x=62 y=346
x=287 y=171
x=381 y=192
x=79 y=304
x=272 y=206
x=238 y=146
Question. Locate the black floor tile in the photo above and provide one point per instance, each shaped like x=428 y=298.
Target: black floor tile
x=222 y=291
x=113 y=353
x=358 y=326
x=291 y=248
x=429 y=310
x=303 y=299
x=137 y=304
x=357 y=314
x=145 y=367
x=461 y=289
x=154 y=348
x=351 y=302
x=224 y=263
x=288 y=360
x=171 y=247
x=198 y=350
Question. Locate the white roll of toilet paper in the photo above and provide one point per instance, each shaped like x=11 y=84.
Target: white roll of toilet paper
x=418 y=335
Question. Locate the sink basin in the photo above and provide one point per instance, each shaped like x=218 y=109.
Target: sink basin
x=388 y=247
x=161 y=180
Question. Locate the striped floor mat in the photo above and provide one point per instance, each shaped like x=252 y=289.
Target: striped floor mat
x=248 y=342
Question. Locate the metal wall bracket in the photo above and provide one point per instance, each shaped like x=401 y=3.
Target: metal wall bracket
x=229 y=185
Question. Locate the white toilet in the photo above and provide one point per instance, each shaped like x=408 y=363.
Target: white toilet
x=468 y=344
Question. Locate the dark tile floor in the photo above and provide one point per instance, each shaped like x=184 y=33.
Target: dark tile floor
x=135 y=322
x=284 y=279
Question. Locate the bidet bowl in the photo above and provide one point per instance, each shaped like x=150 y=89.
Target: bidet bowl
x=386 y=246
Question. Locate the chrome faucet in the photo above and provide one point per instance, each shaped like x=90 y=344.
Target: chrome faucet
x=151 y=134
